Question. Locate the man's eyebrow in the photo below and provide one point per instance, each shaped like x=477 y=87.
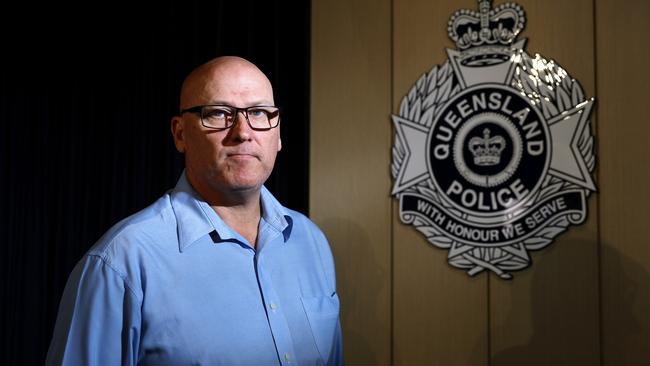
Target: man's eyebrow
x=254 y=104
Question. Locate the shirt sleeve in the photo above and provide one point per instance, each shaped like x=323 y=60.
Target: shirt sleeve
x=99 y=318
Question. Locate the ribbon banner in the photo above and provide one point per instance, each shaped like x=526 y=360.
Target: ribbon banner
x=514 y=230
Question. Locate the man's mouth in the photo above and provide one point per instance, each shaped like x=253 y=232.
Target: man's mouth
x=242 y=156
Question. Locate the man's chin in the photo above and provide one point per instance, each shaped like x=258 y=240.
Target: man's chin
x=244 y=185
x=237 y=184
x=244 y=188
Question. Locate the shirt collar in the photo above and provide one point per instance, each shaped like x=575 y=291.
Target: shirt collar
x=275 y=214
x=195 y=218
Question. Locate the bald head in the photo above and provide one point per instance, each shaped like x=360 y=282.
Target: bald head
x=221 y=76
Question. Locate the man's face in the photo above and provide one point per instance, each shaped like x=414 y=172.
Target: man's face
x=238 y=159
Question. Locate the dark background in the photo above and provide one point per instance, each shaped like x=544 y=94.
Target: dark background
x=86 y=98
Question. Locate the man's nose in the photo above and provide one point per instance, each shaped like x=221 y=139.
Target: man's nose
x=240 y=128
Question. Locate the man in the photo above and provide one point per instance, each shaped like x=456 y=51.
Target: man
x=216 y=272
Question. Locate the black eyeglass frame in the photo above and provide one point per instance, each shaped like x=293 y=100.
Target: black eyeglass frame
x=198 y=110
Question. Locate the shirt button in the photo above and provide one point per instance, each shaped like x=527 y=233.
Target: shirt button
x=273 y=307
x=287 y=357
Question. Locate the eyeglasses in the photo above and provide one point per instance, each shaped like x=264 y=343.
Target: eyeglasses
x=221 y=117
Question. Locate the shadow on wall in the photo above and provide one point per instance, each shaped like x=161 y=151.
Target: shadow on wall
x=626 y=325
x=360 y=292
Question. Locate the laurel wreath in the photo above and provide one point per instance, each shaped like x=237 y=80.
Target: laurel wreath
x=547 y=85
x=423 y=102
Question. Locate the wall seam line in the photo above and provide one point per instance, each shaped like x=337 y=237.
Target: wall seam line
x=488 y=325
x=599 y=243
x=392 y=201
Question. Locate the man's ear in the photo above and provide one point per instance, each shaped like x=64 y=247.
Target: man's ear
x=178 y=133
x=279 y=144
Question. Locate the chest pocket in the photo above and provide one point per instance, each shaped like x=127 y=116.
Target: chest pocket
x=323 y=314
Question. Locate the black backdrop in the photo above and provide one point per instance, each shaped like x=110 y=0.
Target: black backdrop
x=86 y=96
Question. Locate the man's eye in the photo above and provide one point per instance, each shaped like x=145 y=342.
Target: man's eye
x=256 y=112
x=217 y=113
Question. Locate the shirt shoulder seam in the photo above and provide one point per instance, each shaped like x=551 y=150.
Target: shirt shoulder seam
x=123 y=276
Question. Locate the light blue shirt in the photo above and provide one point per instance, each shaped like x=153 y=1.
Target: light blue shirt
x=174 y=285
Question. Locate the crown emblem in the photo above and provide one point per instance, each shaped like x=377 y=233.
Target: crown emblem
x=498 y=26
x=487 y=150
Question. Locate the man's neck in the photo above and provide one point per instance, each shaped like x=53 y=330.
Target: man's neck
x=244 y=219
x=241 y=210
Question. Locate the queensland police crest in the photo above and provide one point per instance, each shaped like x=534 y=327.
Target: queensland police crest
x=493 y=150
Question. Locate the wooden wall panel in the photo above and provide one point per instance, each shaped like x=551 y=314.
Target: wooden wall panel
x=549 y=314
x=349 y=164
x=623 y=56
x=440 y=314
x=586 y=298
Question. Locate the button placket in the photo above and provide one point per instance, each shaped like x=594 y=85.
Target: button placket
x=276 y=317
